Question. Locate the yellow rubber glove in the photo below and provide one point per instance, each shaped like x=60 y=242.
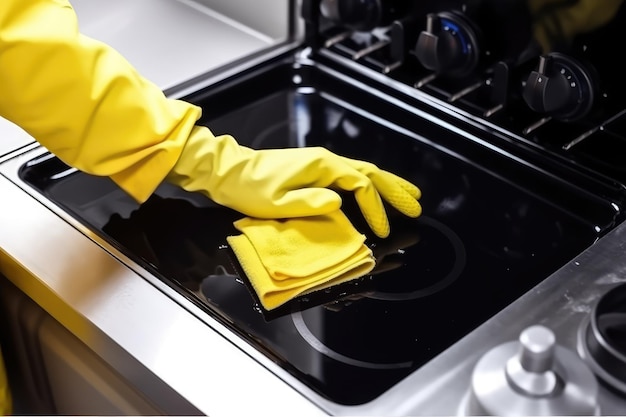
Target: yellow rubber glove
x=85 y=103
x=6 y=401
x=557 y=21
x=286 y=183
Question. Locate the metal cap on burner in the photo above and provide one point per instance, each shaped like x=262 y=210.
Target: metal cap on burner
x=532 y=376
x=530 y=372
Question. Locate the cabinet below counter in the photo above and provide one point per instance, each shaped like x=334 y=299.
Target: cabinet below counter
x=53 y=372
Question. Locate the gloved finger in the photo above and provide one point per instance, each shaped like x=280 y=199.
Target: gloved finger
x=304 y=202
x=396 y=193
x=371 y=170
x=373 y=210
x=407 y=186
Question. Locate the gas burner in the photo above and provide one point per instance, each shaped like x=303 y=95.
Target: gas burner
x=531 y=376
x=602 y=338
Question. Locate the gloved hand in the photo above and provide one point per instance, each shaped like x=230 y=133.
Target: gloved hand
x=291 y=182
x=557 y=22
x=122 y=126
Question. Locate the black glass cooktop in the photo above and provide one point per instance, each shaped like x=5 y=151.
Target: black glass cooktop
x=493 y=227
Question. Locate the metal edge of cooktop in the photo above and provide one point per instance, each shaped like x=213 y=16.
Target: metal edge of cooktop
x=438 y=388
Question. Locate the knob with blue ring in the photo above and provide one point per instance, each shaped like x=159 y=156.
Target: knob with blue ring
x=449 y=45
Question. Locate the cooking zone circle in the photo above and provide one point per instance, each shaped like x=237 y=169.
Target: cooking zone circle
x=364 y=329
x=458 y=264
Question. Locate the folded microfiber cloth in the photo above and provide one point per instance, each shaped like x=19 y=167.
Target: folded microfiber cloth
x=284 y=259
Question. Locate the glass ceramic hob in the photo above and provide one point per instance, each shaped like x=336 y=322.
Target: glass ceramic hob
x=493 y=226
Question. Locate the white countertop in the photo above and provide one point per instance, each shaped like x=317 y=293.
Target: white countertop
x=12 y=137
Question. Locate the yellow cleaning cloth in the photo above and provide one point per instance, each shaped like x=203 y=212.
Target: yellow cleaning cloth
x=284 y=259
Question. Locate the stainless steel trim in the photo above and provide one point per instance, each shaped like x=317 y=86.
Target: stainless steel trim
x=128 y=316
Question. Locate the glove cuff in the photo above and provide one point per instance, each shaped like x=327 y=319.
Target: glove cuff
x=198 y=168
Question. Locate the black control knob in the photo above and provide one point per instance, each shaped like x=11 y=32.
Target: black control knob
x=560 y=87
x=362 y=15
x=449 y=45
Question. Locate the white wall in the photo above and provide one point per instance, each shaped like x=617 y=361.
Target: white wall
x=172 y=41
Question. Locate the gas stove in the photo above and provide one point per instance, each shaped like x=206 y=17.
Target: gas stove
x=514 y=139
